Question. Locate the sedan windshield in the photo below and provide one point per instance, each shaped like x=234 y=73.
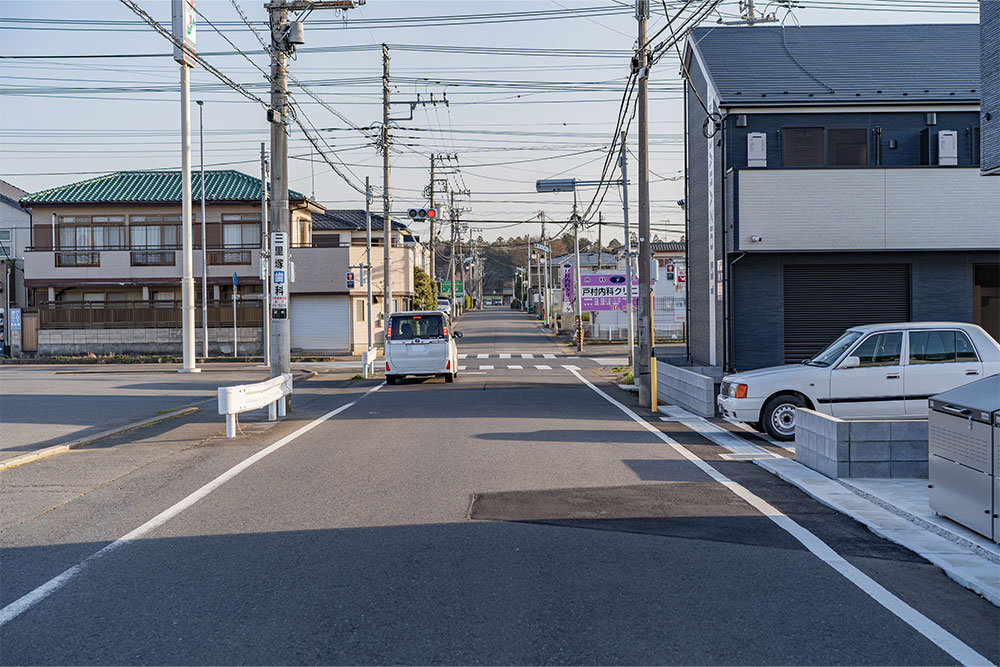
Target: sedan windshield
x=835 y=349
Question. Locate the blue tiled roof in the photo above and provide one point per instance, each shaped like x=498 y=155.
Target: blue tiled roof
x=773 y=65
x=353 y=219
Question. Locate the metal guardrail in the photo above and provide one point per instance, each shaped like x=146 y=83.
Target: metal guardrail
x=244 y=397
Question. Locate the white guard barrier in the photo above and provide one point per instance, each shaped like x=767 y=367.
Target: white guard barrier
x=244 y=397
x=368 y=360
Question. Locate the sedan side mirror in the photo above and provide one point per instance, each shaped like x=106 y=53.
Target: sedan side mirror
x=850 y=362
x=458 y=334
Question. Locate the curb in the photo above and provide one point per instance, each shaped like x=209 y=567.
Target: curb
x=939 y=550
x=59 y=449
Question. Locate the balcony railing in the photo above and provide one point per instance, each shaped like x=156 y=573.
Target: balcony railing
x=154 y=258
x=228 y=257
x=78 y=259
x=142 y=314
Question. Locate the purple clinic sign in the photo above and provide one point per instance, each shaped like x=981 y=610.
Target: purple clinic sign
x=607 y=291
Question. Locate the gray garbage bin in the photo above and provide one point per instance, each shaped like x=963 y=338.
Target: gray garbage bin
x=964 y=455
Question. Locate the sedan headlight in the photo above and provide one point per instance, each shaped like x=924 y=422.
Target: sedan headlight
x=737 y=390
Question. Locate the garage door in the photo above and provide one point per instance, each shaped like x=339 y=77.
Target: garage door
x=821 y=300
x=320 y=324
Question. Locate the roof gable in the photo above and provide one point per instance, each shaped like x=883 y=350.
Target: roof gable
x=772 y=65
x=123 y=187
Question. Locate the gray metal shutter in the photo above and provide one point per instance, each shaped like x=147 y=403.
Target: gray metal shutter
x=822 y=300
x=320 y=324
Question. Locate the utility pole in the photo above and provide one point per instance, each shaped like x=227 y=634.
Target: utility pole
x=527 y=306
x=645 y=371
x=265 y=255
x=433 y=260
x=623 y=162
x=386 y=221
x=451 y=262
x=600 y=245
x=183 y=12
x=285 y=37
x=204 y=250
x=578 y=281
x=545 y=283
x=462 y=249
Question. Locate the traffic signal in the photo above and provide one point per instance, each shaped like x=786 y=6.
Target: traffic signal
x=422 y=213
x=350 y=280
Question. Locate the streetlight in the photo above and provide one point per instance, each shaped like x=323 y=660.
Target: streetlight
x=204 y=252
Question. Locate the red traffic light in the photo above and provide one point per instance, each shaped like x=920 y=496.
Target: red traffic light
x=432 y=213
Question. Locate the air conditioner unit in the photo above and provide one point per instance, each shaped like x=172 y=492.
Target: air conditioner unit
x=948 y=147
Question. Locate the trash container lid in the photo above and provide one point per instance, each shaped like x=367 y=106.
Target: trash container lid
x=979 y=396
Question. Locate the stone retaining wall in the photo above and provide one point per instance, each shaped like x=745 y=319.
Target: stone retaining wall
x=872 y=448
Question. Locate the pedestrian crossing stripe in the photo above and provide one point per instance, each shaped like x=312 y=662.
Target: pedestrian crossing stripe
x=505 y=356
x=543 y=367
x=549 y=356
x=482 y=356
x=516 y=368
x=527 y=356
x=462 y=356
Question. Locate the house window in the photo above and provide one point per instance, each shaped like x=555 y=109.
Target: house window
x=822 y=147
x=5 y=244
x=240 y=230
x=803 y=146
x=154 y=231
x=360 y=311
x=84 y=232
x=847 y=148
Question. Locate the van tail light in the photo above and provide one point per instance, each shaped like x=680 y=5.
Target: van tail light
x=447 y=366
x=387 y=369
x=741 y=391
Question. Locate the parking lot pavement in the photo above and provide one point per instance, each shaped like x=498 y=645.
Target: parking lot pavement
x=42 y=406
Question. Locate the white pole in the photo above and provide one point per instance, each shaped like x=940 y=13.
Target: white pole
x=187 y=252
x=368 y=264
x=204 y=222
x=265 y=255
x=628 y=259
x=235 y=345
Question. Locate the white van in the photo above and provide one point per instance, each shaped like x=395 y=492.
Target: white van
x=420 y=343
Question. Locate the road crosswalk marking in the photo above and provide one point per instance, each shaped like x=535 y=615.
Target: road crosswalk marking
x=516 y=368
x=549 y=356
x=485 y=368
x=527 y=356
x=462 y=368
x=462 y=356
x=543 y=367
x=505 y=356
x=482 y=356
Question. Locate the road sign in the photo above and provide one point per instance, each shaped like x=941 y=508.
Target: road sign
x=446 y=288
x=15 y=319
x=235 y=279
x=279 y=286
x=542 y=247
x=606 y=290
x=184 y=24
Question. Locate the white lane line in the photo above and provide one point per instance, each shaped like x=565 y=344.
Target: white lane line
x=482 y=356
x=462 y=356
x=485 y=368
x=944 y=640
x=527 y=356
x=29 y=600
x=514 y=367
x=543 y=367
x=475 y=373
x=717 y=434
x=765 y=436
x=504 y=356
x=549 y=356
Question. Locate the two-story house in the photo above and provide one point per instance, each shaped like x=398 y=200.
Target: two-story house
x=832 y=181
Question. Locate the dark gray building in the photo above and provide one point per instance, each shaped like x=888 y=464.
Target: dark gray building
x=989 y=41
x=832 y=181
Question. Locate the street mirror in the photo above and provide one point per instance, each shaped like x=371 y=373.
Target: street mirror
x=851 y=362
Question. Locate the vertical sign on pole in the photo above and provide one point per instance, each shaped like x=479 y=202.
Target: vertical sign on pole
x=235 y=346
x=279 y=270
x=184 y=29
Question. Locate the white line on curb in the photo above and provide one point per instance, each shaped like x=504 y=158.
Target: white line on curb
x=946 y=641
x=29 y=600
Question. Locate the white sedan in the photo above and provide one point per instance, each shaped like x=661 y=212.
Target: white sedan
x=873 y=371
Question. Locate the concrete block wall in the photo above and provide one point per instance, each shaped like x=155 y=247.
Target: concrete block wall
x=76 y=342
x=873 y=448
x=691 y=389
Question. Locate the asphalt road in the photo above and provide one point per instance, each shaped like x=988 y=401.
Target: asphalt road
x=516 y=516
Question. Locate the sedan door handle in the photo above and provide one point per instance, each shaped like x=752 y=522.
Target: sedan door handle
x=972 y=372
x=892 y=376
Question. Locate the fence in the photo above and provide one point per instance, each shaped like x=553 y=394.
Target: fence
x=143 y=314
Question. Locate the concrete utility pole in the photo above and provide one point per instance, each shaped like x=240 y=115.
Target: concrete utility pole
x=204 y=250
x=433 y=270
x=386 y=221
x=284 y=38
x=623 y=163
x=578 y=282
x=187 y=245
x=265 y=255
x=462 y=249
x=451 y=262
x=645 y=366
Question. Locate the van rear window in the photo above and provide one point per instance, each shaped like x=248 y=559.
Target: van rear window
x=408 y=327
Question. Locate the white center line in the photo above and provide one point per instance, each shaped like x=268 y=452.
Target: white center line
x=946 y=641
x=29 y=600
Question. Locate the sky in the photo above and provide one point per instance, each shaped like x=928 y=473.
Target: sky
x=533 y=92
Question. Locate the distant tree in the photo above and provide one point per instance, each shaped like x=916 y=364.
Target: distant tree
x=615 y=244
x=425 y=291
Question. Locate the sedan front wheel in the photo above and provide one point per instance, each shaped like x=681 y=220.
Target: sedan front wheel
x=778 y=417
